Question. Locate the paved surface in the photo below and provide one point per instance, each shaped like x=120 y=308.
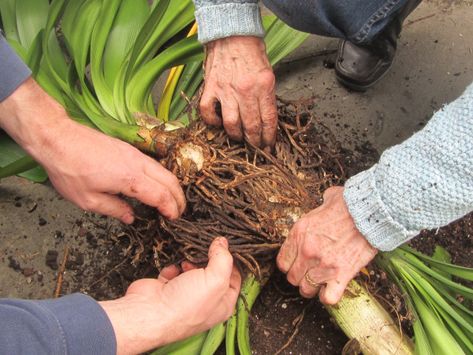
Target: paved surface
x=433 y=66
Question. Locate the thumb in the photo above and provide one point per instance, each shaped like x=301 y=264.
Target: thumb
x=220 y=260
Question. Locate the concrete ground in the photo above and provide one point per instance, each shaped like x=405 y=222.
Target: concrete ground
x=433 y=66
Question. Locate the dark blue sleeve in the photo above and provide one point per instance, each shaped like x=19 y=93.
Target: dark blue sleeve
x=13 y=71
x=74 y=324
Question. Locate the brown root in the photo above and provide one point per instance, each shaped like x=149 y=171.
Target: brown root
x=245 y=194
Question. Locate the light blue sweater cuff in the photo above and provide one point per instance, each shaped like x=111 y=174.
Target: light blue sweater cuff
x=225 y=20
x=371 y=215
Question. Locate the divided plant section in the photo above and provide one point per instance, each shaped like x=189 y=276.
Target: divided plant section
x=101 y=59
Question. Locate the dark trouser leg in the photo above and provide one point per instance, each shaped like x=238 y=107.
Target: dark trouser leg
x=369 y=28
x=360 y=66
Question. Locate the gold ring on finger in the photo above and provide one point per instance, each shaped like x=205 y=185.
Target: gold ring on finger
x=310 y=281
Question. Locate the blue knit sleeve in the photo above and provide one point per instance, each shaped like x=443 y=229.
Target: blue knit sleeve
x=424 y=183
x=224 y=18
x=73 y=325
x=13 y=71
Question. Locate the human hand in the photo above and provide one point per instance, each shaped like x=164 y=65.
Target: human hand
x=325 y=250
x=239 y=76
x=84 y=165
x=154 y=313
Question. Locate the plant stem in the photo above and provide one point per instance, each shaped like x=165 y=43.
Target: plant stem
x=213 y=340
x=230 y=335
x=189 y=346
x=250 y=290
x=363 y=318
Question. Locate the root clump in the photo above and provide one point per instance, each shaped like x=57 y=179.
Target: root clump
x=245 y=194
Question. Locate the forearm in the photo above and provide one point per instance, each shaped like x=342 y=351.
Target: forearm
x=225 y=18
x=73 y=324
x=424 y=183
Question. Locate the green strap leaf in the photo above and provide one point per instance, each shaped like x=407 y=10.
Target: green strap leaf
x=462 y=338
x=189 y=346
x=441 y=339
x=465 y=312
x=35 y=53
x=281 y=40
x=213 y=340
x=230 y=335
x=157 y=14
x=250 y=290
x=172 y=17
x=31 y=17
x=420 y=279
x=139 y=88
x=459 y=271
x=130 y=19
x=8 y=14
x=126 y=70
x=79 y=40
x=14 y=161
x=188 y=84
x=101 y=32
x=68 y=18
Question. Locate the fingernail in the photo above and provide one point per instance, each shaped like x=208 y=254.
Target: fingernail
x=222 y=241
x=128 y=218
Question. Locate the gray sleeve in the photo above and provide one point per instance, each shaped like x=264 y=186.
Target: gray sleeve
x=225 y=18
x=13 y=71
x=424 y=183
x=73 y=325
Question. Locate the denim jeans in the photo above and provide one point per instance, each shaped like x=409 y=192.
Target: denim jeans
x=358 y=21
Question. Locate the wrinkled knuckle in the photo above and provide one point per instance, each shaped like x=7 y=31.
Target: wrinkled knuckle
x=245 y=86
x=308 y=252
x=267 y=79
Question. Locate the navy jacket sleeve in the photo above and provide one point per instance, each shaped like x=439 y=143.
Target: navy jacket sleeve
x=74 y=324
x=12 y=70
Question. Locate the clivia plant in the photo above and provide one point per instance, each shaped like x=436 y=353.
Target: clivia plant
x=100 y=59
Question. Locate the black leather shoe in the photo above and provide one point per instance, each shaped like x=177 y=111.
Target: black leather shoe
x=360 y=66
